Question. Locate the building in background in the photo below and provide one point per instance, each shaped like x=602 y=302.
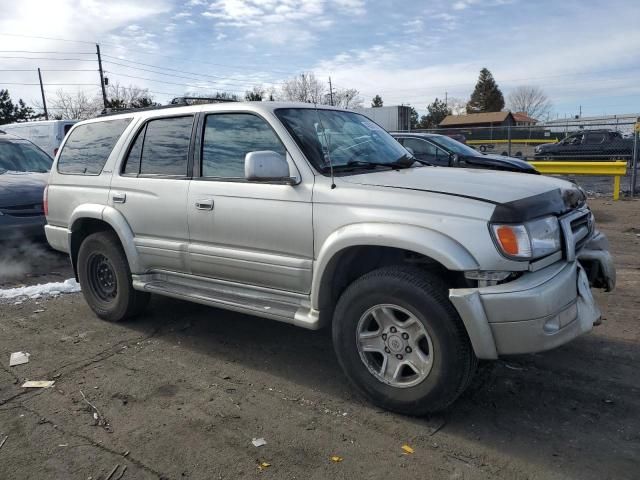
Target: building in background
x=475 y=120
x=395 y=118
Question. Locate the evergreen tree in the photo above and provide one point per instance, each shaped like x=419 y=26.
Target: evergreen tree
x=377 y=101
x=11 y=112
x=486 y=97
x=438 y=110
x=413 y=118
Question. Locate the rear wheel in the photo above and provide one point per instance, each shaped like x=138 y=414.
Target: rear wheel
x=105 y=278
x=401 y=342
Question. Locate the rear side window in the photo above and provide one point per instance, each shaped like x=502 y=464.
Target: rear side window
x=161 y=148
x=89 y=146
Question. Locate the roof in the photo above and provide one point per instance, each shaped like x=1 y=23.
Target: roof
x=473 y=118
x=523 y=117
x=260 y=107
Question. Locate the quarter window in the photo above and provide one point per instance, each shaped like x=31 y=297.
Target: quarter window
x=228 y=137
x=161 y=148
x=88 y=147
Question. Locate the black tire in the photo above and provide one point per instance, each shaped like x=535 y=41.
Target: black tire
x=424 y=296
x=118 y=301
x=482 y=148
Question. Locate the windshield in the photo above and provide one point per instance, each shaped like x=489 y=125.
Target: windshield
x=23 y=156
x=348 y=139
x=453 y=145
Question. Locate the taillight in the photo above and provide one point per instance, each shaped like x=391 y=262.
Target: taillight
x=45 y=200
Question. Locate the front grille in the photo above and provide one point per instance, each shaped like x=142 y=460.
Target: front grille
x=29 y=210
x=577 y=227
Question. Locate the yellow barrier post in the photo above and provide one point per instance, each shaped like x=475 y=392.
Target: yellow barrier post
x=614 y=169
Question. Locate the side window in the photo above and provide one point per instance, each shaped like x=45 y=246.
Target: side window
x=420 y=147
x=594 y=138
x=89 y=146
x=132 y=163
x=161 y=148
x=228 y=137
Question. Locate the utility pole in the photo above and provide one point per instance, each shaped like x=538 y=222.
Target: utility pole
x=44 y=100
x=445 y=99
x=580 y=113
x=330 y=92
x=104 y=92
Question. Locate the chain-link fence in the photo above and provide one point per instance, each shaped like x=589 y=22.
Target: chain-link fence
x=570 y=141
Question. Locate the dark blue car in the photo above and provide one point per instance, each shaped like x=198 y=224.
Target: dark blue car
x=446 y=152
x=24 y=170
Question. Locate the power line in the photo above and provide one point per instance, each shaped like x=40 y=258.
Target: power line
x=49 y=84
x=48 y=70
x=49 y=52
x=181 y=71
x=222 y=85
x=49 y=58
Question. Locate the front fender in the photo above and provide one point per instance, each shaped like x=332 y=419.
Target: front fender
x=431 y=243
x=117 y=221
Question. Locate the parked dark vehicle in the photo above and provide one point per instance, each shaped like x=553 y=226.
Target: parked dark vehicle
x=444 y=151
x=588 y=145
x=24 y=170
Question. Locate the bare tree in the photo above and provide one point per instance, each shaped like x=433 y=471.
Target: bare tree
x=457 y=106
x=128 y=97
x=346 y=98
x=531 y=100
x=256 y=94
x=78 y=106
x=305 y=88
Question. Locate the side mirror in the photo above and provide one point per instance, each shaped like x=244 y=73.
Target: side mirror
x=454 y=159
x=267 y=166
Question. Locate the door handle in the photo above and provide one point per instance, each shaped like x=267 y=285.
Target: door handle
x=119 y=197
x=204 y=204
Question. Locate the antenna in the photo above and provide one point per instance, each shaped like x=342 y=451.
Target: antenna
x=326 y=139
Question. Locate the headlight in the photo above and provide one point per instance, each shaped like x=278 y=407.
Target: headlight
x=534 y=239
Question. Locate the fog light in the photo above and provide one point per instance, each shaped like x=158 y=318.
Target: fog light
x=552 y=325
x=562 y=319
x=487 y=275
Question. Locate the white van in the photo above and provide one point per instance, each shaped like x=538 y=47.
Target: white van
x=48 y=134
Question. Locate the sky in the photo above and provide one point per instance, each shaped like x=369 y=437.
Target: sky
x=583 y=54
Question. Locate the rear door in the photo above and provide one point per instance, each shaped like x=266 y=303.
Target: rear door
x=150 y=190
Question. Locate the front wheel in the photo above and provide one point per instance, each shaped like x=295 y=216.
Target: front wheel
x=105 y=278
x=401 y=342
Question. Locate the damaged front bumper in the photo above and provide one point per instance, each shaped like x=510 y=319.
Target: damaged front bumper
x=539 y=310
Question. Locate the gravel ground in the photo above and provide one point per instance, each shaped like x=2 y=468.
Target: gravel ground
x=181 y=392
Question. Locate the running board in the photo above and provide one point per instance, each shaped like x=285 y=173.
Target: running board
x=262 y=302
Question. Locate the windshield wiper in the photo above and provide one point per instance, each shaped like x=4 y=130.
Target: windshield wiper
x=358 y=164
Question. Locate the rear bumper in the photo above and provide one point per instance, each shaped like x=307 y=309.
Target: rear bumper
x=17 y=228
x=58 y=237
x=538 y=311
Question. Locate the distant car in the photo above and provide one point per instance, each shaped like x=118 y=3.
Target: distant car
x=446 y=152
x=588 y=145
x=46 y=134
x=24 y=170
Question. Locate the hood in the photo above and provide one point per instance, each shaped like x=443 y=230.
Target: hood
x=501 y=161
x=490 y=186
x=21 y=188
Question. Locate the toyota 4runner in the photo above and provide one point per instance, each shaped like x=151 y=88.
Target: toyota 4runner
x=318 y=217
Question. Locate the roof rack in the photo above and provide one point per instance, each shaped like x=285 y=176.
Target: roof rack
x=176 y=102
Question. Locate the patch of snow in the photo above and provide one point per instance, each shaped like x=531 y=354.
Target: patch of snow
x=36 y=291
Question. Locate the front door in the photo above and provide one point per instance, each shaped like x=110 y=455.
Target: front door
x=247 y=232
x=150 y=190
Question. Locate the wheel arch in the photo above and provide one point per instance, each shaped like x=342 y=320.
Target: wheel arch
x=357 y=249
x=88 y=219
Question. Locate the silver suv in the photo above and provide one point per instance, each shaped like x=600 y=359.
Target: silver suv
x=318 y=217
